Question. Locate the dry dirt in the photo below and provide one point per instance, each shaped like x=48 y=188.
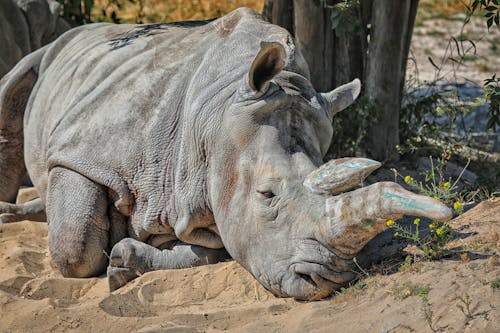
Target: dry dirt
x=462 y=53
x=35 y=298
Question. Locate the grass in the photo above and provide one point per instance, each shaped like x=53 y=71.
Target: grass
x=442 y=8
x=181 y=10
x=168 y=10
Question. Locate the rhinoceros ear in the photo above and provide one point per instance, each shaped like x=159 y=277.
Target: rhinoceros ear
x=269 y=61
x=341 y=97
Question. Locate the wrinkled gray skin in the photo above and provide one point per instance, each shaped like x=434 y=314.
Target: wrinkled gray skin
x=27 y=25
x=172 y=144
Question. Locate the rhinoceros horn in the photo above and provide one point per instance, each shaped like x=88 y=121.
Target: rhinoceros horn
x=341 y=97
x=353 y=218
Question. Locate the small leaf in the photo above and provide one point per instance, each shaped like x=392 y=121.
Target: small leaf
x=489 y=23
x=335 y=13
x=490 y=124
x=335 y=22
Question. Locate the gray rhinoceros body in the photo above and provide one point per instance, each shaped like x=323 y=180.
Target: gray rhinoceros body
x=172 y=143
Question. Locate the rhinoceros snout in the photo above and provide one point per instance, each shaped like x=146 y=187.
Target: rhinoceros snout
x=320 y=279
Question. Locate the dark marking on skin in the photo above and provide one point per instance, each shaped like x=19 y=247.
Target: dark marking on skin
x=149 y=30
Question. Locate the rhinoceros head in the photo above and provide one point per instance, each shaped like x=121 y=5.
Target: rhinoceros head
x=280 y=212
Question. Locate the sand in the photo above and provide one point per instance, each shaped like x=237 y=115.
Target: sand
x=34 y=297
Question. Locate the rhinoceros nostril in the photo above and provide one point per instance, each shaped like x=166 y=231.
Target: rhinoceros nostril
x=307 y=278
x=268 y=194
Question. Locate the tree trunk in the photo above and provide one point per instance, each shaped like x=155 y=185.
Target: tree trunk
x=315 y=41
x=379 y=61
x=384 y=74
x=279 y=12
x=409 y=32
x=347 y=59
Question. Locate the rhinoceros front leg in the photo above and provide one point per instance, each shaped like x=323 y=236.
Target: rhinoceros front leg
x=77 y=212
x=33 y=210
x=131 y=258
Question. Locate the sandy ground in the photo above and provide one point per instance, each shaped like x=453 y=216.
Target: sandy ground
x=472 y=57
x=35 y=298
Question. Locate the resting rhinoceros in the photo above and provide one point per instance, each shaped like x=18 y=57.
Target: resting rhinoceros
x=183 y=144
x=26 y=25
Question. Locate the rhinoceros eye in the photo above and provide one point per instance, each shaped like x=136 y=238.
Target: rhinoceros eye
x=268 y=194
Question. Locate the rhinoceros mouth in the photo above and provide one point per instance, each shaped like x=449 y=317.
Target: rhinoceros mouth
x=315 y=280
x=315 y=272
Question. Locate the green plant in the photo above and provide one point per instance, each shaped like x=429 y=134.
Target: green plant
x=429 y=115
x=351 y=126
x=406 y=264
x=344 y=17
x=440 y=233
x=433 y=245
x=409 y=289
x=464 y=306
x=490 y=8
x=76 y=12
x=428 y=312
x=359 y=285
x=492 y=97
x=495 y=284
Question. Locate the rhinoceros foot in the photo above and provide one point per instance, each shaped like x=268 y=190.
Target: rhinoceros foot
x=131 y=258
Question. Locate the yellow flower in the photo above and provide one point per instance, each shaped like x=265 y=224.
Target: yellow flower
x=436 y=197
x=458 y=205
x=396 y=234
x=447 y=185
x=432 y=226
x=439 y=231
x=389 y=223
x=408 y=179
x=416 y=221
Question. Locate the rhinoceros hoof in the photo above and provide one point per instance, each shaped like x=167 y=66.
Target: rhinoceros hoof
x=126 y=262
x=120 y=276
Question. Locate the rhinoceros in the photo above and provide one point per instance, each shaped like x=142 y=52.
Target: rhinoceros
x=184 y=144
x=26 y=25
